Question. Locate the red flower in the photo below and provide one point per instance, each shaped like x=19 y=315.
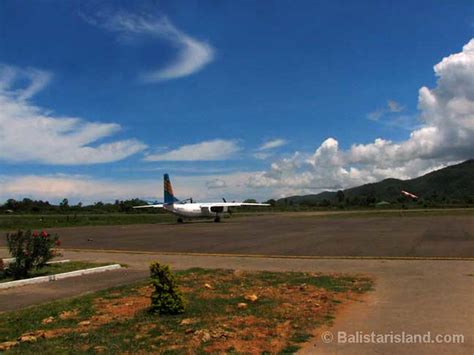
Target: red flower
x=35 y=234
x=44 y=234
x=58 y=243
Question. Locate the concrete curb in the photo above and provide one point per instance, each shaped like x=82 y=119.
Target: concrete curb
x=64 y=275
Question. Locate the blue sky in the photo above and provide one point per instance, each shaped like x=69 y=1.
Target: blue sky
x=229 y=97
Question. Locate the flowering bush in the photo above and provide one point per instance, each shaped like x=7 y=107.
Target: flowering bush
x=31 y=250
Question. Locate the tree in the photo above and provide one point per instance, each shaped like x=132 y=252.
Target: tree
x=272 y=202
x=64 y=204
x=340 y=196
x=166 y=297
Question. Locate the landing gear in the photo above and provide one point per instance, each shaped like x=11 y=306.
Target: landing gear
x=217 y=219
x=180 y=220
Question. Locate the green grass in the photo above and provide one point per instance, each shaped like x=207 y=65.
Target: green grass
x=212 y=309
x=14 y=222
x=58 y=268
x=11 y=222
x=384 y=213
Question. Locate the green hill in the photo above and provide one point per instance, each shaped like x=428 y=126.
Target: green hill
x=454 y=183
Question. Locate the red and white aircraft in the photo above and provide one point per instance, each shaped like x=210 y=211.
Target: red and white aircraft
x=408 y=194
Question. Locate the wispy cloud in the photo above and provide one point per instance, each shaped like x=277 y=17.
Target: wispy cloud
x=391 y=107
x=267 y=149
x=394 y=106
x=218 y=149
x=216 y=183
x=31 y=133
x=272 y=144
x=262 y=155
x=192 y=54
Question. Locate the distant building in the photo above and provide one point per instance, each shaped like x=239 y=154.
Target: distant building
x=382 y=204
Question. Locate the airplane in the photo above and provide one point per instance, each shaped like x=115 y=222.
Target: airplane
x=408 y=194
x=189 y=209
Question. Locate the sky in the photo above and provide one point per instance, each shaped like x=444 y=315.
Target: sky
x=248 y=99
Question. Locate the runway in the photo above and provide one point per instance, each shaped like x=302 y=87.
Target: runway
x=413 y=296
x=289 y=235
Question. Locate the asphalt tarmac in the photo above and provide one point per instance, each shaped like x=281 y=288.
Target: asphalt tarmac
x=291 y=235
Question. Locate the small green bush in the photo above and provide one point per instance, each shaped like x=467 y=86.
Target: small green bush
x=31 y=250
x=166 y=297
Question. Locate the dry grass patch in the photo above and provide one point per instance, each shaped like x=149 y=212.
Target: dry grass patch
x=281 y=311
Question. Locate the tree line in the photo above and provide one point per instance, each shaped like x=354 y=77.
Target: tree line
x=340 y=201
x=39 y=206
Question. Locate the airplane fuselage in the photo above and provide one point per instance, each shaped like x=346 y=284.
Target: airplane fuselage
x=183 y=209
x=195 y=210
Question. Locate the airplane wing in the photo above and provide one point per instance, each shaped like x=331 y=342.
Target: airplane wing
x=159 y=205
x=232 y=204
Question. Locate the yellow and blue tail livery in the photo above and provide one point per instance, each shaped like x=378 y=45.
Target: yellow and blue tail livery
x=168 y=190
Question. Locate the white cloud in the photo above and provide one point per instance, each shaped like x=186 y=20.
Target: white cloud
x=88 y=190
x=392 y=107
x=272 y=144
x=262 y=155
x=445 y=136
x=267 y=149
x=192 y=54
x=33 y=134
x=218 y=149
x=216 y=184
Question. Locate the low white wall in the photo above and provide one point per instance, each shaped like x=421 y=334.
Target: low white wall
x=65 y=275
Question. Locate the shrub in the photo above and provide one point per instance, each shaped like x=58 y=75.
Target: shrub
x=31 y=250
x=166 y=297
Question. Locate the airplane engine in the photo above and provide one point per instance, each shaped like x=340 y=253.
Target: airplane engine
x=218 y=209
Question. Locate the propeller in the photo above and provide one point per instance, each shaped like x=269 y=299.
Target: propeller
x=228 y=208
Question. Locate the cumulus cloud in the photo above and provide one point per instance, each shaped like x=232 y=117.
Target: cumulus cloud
x=192 y=54
x=218 y=149
x=444 y=136
x=34 y=134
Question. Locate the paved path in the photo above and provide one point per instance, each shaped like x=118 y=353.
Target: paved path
x=415 y=296
x=445 y=236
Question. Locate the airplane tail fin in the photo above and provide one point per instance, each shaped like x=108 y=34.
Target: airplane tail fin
x=168 y=190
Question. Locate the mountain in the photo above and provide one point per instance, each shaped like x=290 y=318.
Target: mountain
x=455 y=182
